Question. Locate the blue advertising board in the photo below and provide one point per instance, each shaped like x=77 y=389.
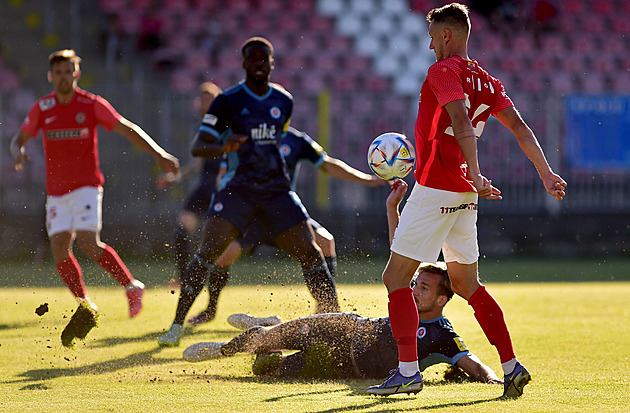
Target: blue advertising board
x=597 y=131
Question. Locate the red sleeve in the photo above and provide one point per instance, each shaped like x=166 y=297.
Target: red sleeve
x=445 y=83
x=105 y=113
x=503 y=100
x=31 y=124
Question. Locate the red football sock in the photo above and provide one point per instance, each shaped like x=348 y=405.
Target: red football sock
x=489 y=314
x=71 y=274
x=111 y=262
x=403 y=317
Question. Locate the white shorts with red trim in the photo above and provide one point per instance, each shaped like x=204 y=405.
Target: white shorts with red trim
x=79 y=210
x=434 y=220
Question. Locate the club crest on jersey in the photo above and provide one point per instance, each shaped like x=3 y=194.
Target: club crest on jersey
x=80 y=118
x=218 y=207
x=422 y=331
x=275 y=112
x=46 y=104
x=285 y=150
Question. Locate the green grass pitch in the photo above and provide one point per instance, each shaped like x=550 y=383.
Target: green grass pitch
x=572 y=336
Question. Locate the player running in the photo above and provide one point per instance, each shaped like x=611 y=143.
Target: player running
x=296 y=147
x=456 y=99
x=247 y=122
x=69 y=117
x=198 y=201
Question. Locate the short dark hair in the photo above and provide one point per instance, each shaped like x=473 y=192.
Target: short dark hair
x=257 y=40
x=444 y=287
x=65 y=55
x=455 y=14
x=210 y=88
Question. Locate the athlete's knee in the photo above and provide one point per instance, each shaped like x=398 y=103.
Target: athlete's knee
x=396 y=279
x=325 y=241
x=188 y=221
x=89 y=243
x=230 y=255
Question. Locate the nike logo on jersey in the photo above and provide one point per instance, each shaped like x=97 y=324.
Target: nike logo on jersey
x=50 y=119
x=264 y=134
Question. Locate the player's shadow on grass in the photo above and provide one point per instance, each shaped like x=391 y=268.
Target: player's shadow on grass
x=355 y=388
x=16 y=326
x=145 y=358
x=153 y=336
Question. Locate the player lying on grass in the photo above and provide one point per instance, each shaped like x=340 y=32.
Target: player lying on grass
x=346 y=345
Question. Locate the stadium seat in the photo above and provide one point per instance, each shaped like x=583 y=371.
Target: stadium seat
x=301 y=5
x=242 y=5
x=319 y=23
x=273 y=6
x=375 y=83
x=408 y=84
x=621 y=84
x=553 y=43
x=593 y=83
x=562 y=82
x=382 y=24
x=364 y=7
x=398 y=7
x=523 y=42
x=389 y=63
x=573 y=7
x=352 y=24
x=370 y=45
x=331 y=7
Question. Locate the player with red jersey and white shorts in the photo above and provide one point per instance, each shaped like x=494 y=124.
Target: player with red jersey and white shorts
x=456 y=100
x=68 y=118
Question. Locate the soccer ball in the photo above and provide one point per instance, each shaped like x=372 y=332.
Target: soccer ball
x=391 y=156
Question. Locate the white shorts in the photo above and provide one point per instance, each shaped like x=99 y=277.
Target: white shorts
x=79 y=210
x=434 y=219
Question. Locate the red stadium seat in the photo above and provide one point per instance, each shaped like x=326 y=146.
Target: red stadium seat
x=562 y=82
x=301 y=5
x=553 y=43
x=621 y=84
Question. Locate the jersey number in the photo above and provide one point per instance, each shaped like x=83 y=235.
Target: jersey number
x=477 y=124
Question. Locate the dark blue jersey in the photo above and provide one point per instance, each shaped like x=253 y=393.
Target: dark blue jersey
x=375 y=352
x=297 y=146
x=258 y=164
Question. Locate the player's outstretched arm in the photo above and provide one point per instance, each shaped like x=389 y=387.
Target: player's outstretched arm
x=399 y=188
x=511 y=119
x=141 y=139
x=192 y=167
x=341 y=170
x=17 y=150
x=477 y=370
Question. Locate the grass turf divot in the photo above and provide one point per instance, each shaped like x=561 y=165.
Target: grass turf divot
x=82 y=321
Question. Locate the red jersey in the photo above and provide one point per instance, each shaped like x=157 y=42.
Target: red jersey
x=441 y=164
x=70 y=138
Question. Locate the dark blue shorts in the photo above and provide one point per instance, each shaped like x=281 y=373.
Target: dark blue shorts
x=257 y=235
x=275 y=212
x=199 y=199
